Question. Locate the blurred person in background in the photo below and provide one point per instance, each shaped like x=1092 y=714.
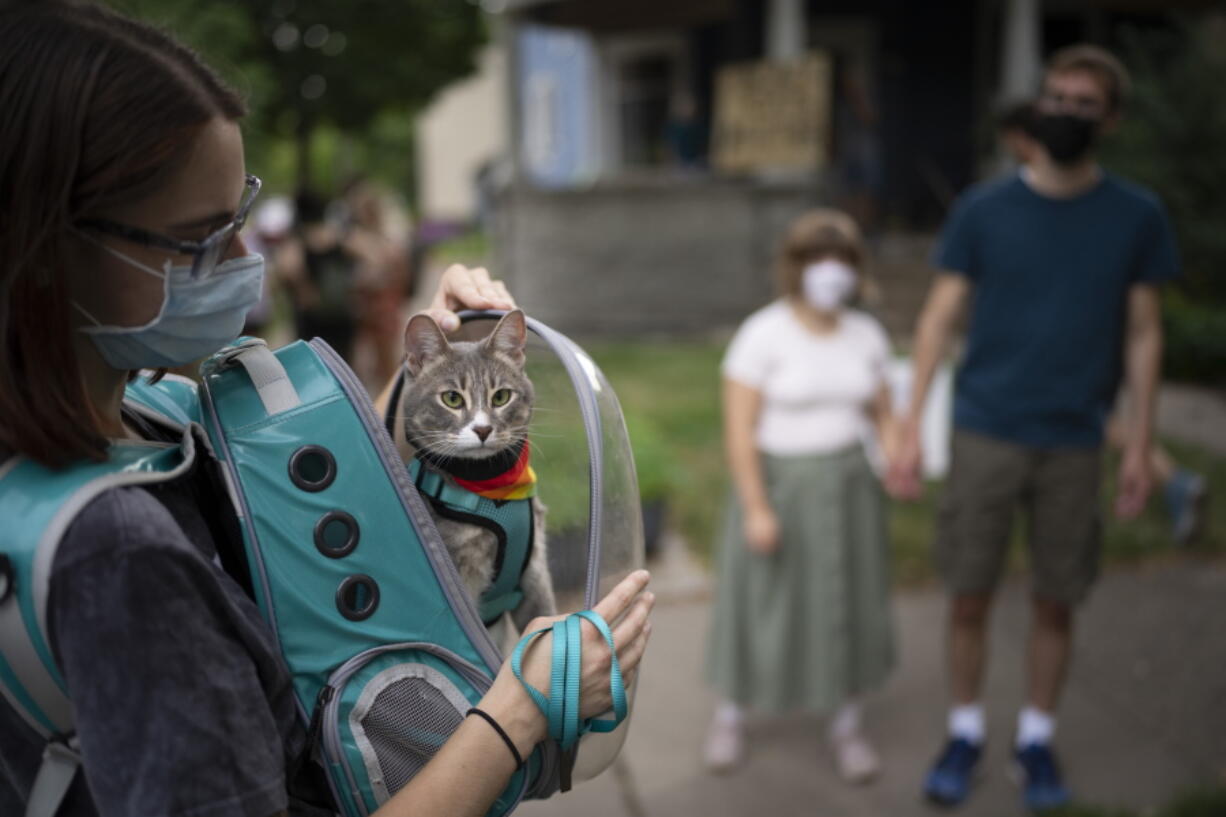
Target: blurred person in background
x=684 y=133
x=269 y=228
x=319 y=268
x=1064 y=262
x=1183 y=491
x=1015 y=130
x=377 y=234
x=857 y=143
x=802 y=617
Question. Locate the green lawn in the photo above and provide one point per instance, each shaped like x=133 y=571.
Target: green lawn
x=670 y=395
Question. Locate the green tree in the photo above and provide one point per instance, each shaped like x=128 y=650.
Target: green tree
x=348 y=64
x=1172 y=140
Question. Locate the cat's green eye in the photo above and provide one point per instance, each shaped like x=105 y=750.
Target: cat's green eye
x=452 y=399
x=501 y=397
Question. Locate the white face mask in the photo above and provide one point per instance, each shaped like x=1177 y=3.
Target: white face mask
x=827 y=285
x=198 y=316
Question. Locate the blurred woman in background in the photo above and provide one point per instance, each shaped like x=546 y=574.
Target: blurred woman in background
x=801 y=618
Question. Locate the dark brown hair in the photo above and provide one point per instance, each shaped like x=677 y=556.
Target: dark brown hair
x=1101 y=63
x=816 y=234
x=98 y=111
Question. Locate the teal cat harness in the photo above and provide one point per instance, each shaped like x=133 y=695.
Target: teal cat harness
x=386 y=651
x=510 y=520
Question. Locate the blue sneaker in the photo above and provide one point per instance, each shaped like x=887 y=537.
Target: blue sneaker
x=1185 y=500
x=1041 y=785
x=949 y=782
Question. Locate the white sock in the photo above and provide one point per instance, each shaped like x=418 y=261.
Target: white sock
x=966 y=721
x=1034 y=726
x=846 y=721
x=729 y=713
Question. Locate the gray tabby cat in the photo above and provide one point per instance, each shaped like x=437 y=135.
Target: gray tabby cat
x=463 y=406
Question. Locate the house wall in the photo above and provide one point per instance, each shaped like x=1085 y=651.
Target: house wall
x=464 y=128
x=650 y=256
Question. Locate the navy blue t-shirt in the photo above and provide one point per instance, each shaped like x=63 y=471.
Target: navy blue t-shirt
x=1049 y=303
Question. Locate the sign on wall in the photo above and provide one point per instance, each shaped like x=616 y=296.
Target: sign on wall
x=773 y=115
x=557 y=73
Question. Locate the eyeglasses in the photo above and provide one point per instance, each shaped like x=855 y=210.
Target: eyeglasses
x=207 y=253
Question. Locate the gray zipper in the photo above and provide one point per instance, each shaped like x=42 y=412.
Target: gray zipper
x=240 y=498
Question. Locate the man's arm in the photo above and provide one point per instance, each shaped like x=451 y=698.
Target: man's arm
x=946 y=297
x=1142 y=362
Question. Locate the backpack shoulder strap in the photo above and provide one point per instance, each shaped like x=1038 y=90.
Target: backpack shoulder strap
x=42 y=503
x=174 y=400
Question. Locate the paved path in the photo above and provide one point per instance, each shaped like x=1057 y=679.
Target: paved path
x=1193 y=415
x=1141 y=720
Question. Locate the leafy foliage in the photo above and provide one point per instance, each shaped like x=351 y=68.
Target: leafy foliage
x=1171 y=140
x=350 y=65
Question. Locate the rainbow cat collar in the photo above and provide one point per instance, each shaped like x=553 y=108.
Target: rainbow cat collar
x=517 y=482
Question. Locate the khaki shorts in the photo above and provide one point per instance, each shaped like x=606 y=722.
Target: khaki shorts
x=1057 y=490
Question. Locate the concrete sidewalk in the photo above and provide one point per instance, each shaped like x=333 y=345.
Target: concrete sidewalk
x=1193 y=415
x=1142 y=716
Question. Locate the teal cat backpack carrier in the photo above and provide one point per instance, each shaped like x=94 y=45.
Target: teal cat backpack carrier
x=386 y=650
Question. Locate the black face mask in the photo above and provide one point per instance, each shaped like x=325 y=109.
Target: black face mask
x=1067 y=137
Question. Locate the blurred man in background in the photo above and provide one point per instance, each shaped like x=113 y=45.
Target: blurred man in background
x=1183 y=491
x=1062 y=263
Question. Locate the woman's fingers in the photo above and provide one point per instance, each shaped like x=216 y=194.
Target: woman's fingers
x=499 y=293
x=597 y=696
x=629 y=628
x=619 y=598
x=628 y=657
x=445 y=318
x=463 y=288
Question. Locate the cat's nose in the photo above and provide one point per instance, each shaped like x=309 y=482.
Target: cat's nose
x=482 y=431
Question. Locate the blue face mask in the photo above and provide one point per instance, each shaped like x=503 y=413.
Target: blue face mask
x=198 y=316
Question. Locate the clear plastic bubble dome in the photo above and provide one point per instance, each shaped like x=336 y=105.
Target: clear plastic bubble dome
x=586 y=480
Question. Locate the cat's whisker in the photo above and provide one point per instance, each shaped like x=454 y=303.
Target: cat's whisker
x=539 y=434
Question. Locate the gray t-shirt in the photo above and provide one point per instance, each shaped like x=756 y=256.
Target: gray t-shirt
x=183 y=702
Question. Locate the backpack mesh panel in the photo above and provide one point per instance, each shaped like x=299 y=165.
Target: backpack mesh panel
x=407 y=723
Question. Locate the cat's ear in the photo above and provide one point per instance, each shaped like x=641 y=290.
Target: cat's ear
x=423 y=341
x=509 y=336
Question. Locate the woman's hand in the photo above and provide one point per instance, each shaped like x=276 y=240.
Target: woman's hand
x=462 y=287
x=903 y=476
x=761 y=530
x=473 y=766
x=508 y=702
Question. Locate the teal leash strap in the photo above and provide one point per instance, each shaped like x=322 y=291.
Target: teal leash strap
x=561 y=707
x=571 y=728
x=557 y=684
x=617 y=687
x=517 y=658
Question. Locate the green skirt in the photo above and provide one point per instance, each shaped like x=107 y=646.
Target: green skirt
x=809 y=625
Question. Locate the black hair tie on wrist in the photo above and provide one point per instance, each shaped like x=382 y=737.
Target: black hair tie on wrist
x=519 y=760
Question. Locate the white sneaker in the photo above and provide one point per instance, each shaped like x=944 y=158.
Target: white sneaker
x=855 y=759
x=725 y=746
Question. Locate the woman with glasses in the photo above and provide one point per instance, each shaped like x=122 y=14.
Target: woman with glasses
x=124 y=191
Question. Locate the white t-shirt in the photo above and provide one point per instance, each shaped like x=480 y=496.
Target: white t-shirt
x=815 y=388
